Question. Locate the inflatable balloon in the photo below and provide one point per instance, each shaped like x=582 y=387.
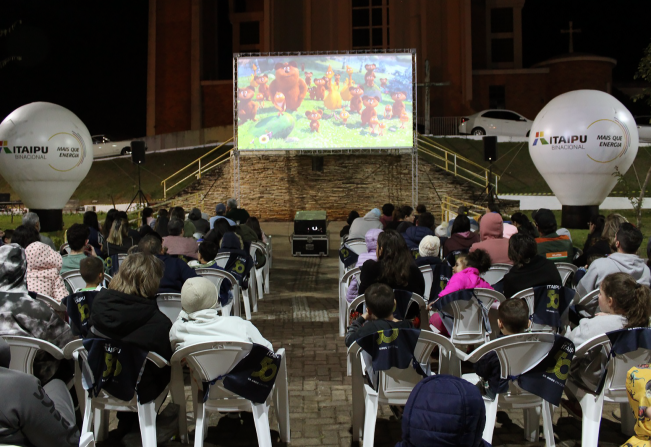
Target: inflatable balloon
x=577 y=141
x=46 y=152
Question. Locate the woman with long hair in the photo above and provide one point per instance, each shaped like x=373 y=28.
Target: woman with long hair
x=602 y=233
x=461 y=237
x=395 y=266
x=529 y=268
x=108 y=222
x=161 y=222
x=118 y=240
x=95 y=239
x=147 y=216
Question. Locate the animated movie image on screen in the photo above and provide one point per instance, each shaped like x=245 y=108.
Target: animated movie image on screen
x=325 y=101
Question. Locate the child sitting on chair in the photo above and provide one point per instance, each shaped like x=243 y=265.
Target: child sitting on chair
x=466 y=276
x=92 y=272
x=80 y=303
x=199 y=320
x=513 y=318
x=380 y=303
x=207 y=254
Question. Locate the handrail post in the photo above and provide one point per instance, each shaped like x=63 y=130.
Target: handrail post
x=455 y=165
x=199 y=169
x=446 y=162
x=165 y=189
x=496 y=184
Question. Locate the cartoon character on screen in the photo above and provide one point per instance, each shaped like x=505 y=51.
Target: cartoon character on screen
x=332 y=101
x=314 y=116
x=388 y=111
x=344 y=116
x=312 y=92
x=320 y=84
x=356 y=101
x=280 y=103
x=308 y=78
x=638 y=386
x=383 y=83
x=262 y=85
x=369 y=80
x=253 y=82
x=289 y=83
x=398 y=106
x=247 y=108
x=370 y=68
x=260 y=98
x=337 y=78
x=404 y=117
x=345 y=93
x=370 y=102
x=373 y=123
x=382 y=126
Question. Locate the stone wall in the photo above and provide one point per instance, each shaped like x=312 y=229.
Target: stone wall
x=274 y=187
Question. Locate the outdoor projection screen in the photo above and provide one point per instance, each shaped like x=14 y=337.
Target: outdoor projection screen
x=324 y=101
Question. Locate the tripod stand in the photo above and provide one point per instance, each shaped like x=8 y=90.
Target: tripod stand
x=140 y=196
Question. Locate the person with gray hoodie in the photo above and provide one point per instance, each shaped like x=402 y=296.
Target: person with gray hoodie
x=624 y=259
x=361 y=225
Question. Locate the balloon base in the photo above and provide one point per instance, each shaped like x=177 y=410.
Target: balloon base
x=51 y=220
x=577 y=217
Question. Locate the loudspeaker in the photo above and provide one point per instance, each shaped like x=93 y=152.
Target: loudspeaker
x=490 y=148
x=138 y=149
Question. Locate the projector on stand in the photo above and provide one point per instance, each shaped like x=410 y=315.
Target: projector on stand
x=310 y=237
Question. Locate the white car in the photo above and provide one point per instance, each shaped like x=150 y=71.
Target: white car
x=644 y=128
x=496 y=122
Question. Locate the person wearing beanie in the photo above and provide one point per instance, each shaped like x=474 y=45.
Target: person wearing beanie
x=361 y=225
x=428 y=251
x=200 y=321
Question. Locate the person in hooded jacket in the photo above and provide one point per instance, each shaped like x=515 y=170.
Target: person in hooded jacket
x=529 y=268
x=492 y=240
x=444 y=410
x=176 y=270
x=462 y=238
x=232 y=243
x=202 y=225
x=361 y=225
x=424 y=227
x=428 y=251
x=371 y=254
x=43 y=267
x=127 y=311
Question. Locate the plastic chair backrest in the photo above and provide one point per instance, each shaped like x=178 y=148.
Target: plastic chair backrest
x=495 y=273
x=428 y=275
x=260 y=246
x=121 y=257
x=217 y=277
x=528 y=296
x=65 y=248
x=348 y=276
x=566 y=270
x=24 y=349
x=74 y=280
x=222 y=259
x=169 y=304
x=357 y=245
x=587 y=297
x=54 y=304
x=468 y=327
x=517 y=354
x=210 y=360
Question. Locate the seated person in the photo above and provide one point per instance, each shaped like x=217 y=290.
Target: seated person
x=220 y=210
x=351 y=217
x=6 y=237
x=92 y=272
x=22 y=315
x=463 y=211
x=529 y=268
x=361 y=225
x=462 y=237
x=466 y=275
x=176 y=270
x=424 y=227
x=380 y=303
x=207 y=253
x=601 y=238
x=43 y=266
x=118 y=241
x=232 y=243
x=428 y=251
x=444 y=410
x=24 y=236
x=78 y=235
x=31 y=414
x=513 y=318
x=371 y=254
x=79 y=303
x=491 y=233
x=387 y=213
x=199 y=321
x=178 y=245
x=200 y=224
x=623 y=304
x=188 y=227
x=555 y=247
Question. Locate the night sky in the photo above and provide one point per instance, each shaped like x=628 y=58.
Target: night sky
x=91 y=56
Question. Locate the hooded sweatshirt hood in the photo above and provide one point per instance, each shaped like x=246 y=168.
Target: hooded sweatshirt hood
x=13 y=266
x=232 y=243
x=117 y=314
x=42 y=257
x=414 y=235
x=371 y=239
x=195 y=214
x=374 y=214
x=491 y=226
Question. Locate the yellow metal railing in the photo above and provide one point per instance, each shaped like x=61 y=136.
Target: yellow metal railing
x=456 y=164
x=450 y=205
x=201 y=168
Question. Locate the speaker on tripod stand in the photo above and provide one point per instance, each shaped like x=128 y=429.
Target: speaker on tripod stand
x=138 y=149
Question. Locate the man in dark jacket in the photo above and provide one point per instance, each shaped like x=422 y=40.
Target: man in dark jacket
x=239 y=215
x=555 y=247
x=424 y=227
x=202 y=225
x=444 y=410
x=176 y=270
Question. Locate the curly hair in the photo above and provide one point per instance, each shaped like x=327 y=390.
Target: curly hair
x=479 y=259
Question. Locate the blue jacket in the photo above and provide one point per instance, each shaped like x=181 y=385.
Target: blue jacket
x=176 y=273
x=443 y=411
x=414 y=235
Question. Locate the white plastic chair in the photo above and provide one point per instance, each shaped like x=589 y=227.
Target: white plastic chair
x=428 y=275
x=344 y=282
x=217 y=277
x=24 y=349
x=74 y=280
x=528 y=296
x=394 y=385
x=169 y=304
x=121 y=258
x=259 y=273
x=97 y=408
x=468 y=327
x=566 y=270
x=517 y=354
x=65 y=248
x=87 y=440
x=614 y=389
x=221 y=259
x=71 y=352
x=54 y=304
x=210 y=360
x=495 y=273
x=358 y=246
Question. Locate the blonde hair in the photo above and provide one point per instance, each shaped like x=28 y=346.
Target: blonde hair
x=613 y=221
x=139 y=275
x=119 y=232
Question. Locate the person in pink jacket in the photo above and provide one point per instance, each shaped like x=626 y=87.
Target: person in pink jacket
x=43 y=266
x=491 y=231
x=465 y=276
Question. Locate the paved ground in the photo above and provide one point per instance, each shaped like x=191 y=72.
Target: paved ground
x=300 y=314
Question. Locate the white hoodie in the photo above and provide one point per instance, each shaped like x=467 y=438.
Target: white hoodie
x=207 y=325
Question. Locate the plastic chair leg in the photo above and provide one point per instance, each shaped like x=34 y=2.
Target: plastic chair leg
x=628 y=419
x=259 y=279
x=237 y=302
x=147 y=420
x=548 y=423
x=358 y=400
x=178 y=396
x=592 y=407
x=247 y=304
x=261 y=419
x=491 y=416
x=200 y=426
x=253 y=294
x=343 y=306
x=266 y=275
x=370 y=416
x=88 y=417
x=531 y=423
x=281 y=402
x=100 y=424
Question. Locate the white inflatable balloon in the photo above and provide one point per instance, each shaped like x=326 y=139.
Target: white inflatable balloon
x=576 y=142
x=46 y=152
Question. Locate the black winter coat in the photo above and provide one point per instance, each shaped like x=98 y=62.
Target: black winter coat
x=538 y=272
